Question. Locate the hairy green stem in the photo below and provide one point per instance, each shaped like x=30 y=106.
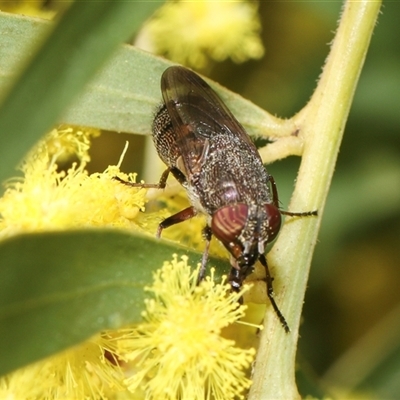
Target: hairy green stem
x=320 y=124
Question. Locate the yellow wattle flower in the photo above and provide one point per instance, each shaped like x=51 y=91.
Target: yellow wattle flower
x=47 y=198
x=191 y=32
x=85 y=371
x=179 y=352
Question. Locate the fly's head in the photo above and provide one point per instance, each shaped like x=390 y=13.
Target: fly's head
x=245 y=229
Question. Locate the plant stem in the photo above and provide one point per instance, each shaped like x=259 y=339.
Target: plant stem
x=321 y=124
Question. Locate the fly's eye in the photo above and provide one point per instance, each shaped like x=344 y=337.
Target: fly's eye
x=274 y=221
x=228 y=222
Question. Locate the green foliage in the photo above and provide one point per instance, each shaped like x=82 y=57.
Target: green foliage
x=59 y=288
x=80 y=43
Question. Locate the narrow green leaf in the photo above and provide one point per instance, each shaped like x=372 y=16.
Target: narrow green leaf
x=87 y=34
x=125 y=94
x=57 y=289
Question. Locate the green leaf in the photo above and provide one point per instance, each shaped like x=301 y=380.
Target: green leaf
x=125 y=95
x=86 y=35
x=57 y=289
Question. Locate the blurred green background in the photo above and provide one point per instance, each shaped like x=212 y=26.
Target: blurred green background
x=350 y=335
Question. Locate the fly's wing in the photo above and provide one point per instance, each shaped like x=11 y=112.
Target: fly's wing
x=197 y=115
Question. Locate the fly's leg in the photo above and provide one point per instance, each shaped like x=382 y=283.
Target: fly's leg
x=160 y=185
x=180 y=216
x=207 y=234
x=275 y=201
x=270 y=293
